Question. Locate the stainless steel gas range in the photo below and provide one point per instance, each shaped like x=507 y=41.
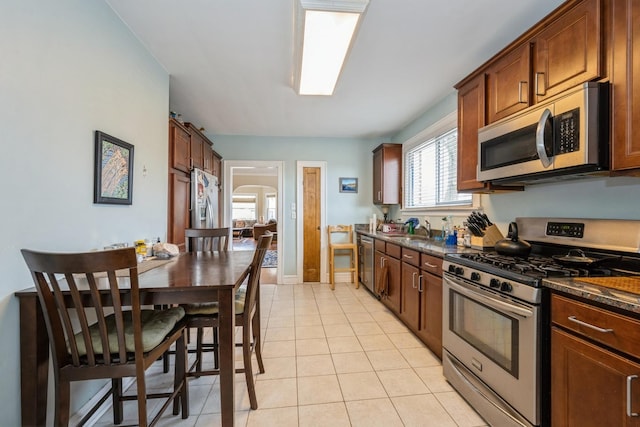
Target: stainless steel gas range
x=495 y=313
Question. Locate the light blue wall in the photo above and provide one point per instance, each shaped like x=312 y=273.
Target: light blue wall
x=70 y=67
x=344 y=157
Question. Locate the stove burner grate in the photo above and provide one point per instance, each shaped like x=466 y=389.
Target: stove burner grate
x=534 y=266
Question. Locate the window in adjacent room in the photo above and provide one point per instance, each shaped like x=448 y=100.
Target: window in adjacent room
x=243 y=206
x=270 y=202
x=430 y=172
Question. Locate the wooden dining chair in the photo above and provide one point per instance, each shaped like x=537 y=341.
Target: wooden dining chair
x=122 y=341
x=247 y=316
x=207 y=239
x=340 y=238
x=204 y=240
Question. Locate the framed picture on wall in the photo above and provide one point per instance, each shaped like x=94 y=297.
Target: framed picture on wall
x=113 y=172
x=348 y=185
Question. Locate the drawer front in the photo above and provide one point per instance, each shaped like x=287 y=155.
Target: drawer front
x=393 y=250
x=619 y=332
x=380 y=245
x=431 y=264
x=411 y=257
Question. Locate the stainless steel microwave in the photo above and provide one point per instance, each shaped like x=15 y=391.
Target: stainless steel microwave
x=568 y=135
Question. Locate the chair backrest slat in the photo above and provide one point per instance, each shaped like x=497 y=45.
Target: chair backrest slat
x=82 y=320
x=264 y=242
x=207 y=239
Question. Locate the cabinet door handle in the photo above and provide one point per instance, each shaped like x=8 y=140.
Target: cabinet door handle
x=407 y=256
x=420 y=283
x=379 y=197
x=521 y=99
x=413 y=279
x=430 y=265
x=630 y=379
x=540 y=89
x=589 y=325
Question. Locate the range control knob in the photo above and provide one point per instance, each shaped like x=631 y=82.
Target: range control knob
x=494 y=283
x=452 y=268
x=459 y=271
x=475 y=276
x=506 y=287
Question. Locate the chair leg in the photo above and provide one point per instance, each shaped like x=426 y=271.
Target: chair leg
x=199 y=349
x=331 y=269
x=180 y=378
x=117 y=402
x=257 y=344
x=141 y=396
x=355 y=268
x=216 y=360
x=248 y=371
x=62 y=401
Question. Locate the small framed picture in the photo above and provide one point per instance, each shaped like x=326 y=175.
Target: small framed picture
x=348 y=185
x=113 y=173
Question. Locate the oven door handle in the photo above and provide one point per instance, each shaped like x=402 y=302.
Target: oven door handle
x=491 y=302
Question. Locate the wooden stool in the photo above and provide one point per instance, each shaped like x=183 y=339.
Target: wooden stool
x=342 y=247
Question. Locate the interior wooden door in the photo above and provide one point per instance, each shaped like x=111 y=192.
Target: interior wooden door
x=311 y=224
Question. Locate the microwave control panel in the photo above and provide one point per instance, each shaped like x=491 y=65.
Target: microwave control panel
x=567 y=132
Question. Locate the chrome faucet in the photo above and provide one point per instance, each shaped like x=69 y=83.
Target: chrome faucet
x=427 y=227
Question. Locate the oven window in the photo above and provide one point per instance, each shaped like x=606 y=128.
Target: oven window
x=491 y=332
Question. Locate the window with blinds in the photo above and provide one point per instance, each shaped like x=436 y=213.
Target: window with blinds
x=243 y=206
x=431 y=173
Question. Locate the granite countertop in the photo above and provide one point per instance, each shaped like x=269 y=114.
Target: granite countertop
x=612 y=297
x=415 y=242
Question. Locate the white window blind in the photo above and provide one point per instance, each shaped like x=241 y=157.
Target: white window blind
x=243 y=206
x=431 y=173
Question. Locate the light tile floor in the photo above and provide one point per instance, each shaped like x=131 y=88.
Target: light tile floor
x=332 y=358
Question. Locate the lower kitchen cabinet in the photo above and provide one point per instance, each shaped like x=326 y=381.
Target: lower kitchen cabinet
x=431 y=312
x=589 y=384
x=411 y=284
x=421 y=308
x=410 y=307
x=387 y=274
x=595 y=376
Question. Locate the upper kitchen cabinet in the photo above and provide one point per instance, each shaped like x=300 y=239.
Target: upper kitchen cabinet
x=568 y=51
x=508 y=83
x=559 y=53
x=387 y=170
x=625 y=46
x=470 y=119
x=216 y=165
x=179 y=146
x=199 y=145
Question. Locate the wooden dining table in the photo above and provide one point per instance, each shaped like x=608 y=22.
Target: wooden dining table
x=188 y=278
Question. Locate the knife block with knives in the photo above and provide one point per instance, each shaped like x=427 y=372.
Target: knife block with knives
x=484 y=234
x=491 y=235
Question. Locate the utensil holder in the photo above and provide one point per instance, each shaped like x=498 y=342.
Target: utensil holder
x=491 y=235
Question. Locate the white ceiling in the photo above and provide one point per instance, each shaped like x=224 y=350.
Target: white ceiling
x=231 y=61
